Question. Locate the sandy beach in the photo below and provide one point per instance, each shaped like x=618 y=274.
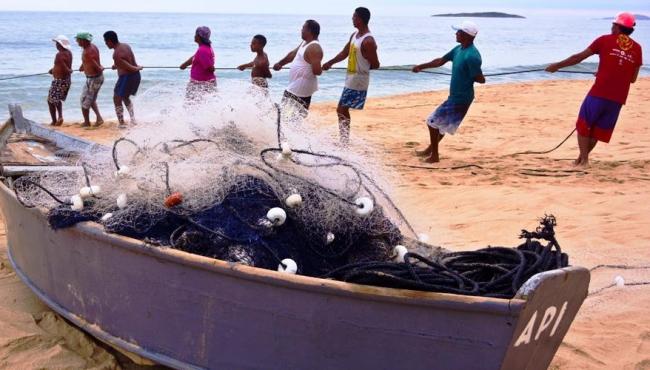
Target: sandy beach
x=487 y=201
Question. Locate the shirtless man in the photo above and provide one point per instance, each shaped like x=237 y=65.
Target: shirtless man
x=91 y=66
x=306 y=66
x=260 y=64
x=129 y=76
x=61 y=72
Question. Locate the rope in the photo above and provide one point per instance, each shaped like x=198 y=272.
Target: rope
x=383 y=69
x=24 y=76
x=24 y=180
x=492 y=272
x=546 y=151
x=437 y=168
x=618 y=267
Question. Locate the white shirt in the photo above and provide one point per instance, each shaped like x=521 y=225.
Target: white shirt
x=302 y=80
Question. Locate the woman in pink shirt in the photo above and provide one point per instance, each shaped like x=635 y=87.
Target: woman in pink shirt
x=202 y=77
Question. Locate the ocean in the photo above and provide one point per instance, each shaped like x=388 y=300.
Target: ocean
x=166 y=39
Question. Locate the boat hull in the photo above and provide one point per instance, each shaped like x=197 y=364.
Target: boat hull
x=189 y=311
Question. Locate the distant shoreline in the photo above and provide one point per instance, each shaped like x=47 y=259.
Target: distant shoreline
x=480 y=15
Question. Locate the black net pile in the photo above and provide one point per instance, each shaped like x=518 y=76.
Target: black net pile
x=237 y=230
x=492 y=272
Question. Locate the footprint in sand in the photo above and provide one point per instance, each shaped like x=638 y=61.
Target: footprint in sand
x=411 y=144
x=582 y=353
x=644 y=347
x=643 y=365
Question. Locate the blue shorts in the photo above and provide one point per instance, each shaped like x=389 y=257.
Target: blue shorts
x=127 y=85
x=447 y=117
x=354 y=99
x=597 y=118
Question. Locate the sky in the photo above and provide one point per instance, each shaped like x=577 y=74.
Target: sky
x=378 y=7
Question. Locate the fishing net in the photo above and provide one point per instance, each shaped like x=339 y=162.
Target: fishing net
x=250 y=181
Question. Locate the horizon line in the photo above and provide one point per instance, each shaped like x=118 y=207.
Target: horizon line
x=605 y=12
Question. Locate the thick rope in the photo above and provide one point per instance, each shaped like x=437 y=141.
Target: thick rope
x=383 y=69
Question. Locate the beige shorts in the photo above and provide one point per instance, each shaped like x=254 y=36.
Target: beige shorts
x=90 y=91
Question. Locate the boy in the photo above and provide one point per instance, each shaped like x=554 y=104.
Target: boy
x=260 y=64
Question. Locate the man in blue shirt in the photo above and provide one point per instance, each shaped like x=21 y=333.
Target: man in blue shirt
x=465 y=71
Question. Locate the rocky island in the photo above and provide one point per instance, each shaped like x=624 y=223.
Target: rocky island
x=480 y=15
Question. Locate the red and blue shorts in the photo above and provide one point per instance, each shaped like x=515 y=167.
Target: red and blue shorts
x=597 y=118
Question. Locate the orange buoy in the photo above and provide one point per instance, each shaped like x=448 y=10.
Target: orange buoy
x=173 y=199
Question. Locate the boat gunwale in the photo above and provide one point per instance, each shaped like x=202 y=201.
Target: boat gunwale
x=308 y=283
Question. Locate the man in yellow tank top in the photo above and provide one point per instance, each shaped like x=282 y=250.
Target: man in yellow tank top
x=361 y=51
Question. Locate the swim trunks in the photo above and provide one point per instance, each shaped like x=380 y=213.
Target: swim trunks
x=260 y=81
x=304 y=102
x=354 y=99
x=59 y=90
x=127 y=85
x=597 y=118
x=90 y=90
x=447 y=117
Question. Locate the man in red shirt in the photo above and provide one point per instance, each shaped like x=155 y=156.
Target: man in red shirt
x=620 y=61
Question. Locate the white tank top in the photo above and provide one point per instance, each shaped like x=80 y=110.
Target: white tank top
x=302 y=81
x=358 y=76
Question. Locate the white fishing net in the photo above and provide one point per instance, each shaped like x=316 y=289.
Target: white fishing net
x=185 y=156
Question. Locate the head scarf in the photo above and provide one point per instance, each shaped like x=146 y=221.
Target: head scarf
x=204 y=34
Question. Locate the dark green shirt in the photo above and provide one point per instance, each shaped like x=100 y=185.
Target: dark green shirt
x=466 y=66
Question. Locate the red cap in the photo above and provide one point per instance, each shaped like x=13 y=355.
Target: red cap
x=625 y=19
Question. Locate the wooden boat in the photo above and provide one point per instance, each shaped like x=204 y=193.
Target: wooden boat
x=192 y=312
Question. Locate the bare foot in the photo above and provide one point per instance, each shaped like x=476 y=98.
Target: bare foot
x=59 y=122
x=580 y=162
x=85 y=124
x=424 y=153
x=53 y=123
x=431 y=159
x=99 y=122
x=122 y=125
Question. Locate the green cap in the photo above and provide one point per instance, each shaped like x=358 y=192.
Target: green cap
x=84 y=36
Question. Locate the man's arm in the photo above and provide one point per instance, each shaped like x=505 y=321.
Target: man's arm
x=83 y=61
x=369 y=51
x=570 y=61
x=474 y=68
x=339 y=57
x=438 y=62
x=287 y=59
x=94 y=59
x=313 y=56
x=57 y=61
x=122 y=63
x=635 y=75
x=264 y=66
